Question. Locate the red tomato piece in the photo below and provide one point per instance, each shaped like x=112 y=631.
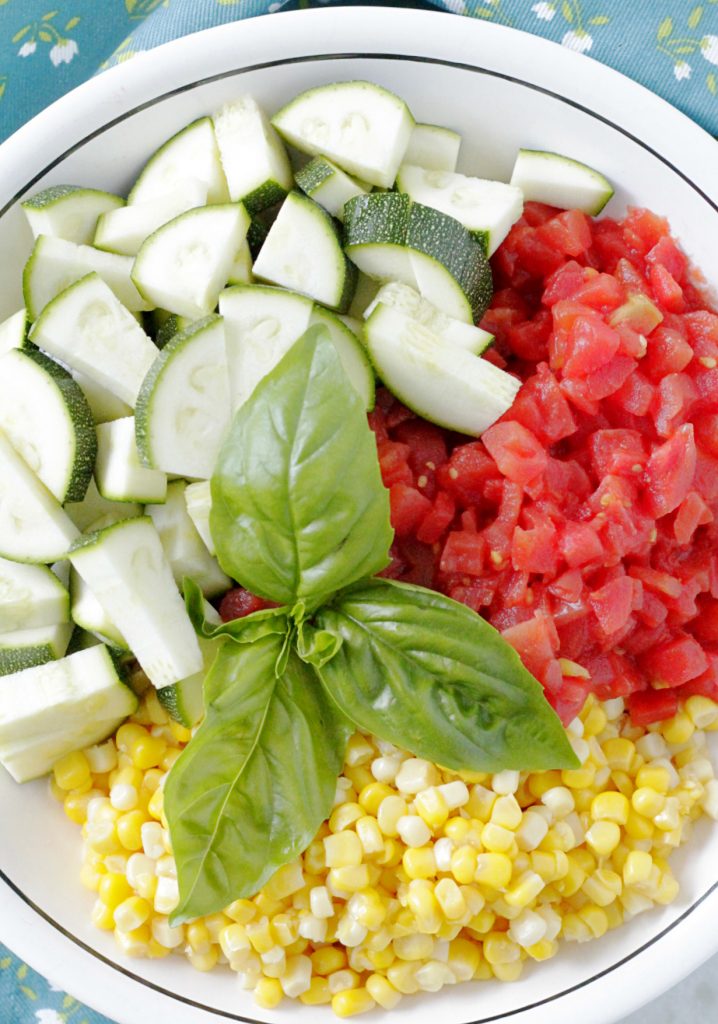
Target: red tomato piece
x=650 y=706
x=394 y=464
x=580 y=544
x=437 y=521
x=408 y=508
x=516 y=451
x=667 y=291
x=669 y=473
x=591 y=345
x=535 y=550
x=463 y=553
x=612 y=604
x=674 y=663
x=617 y=451
x=238 y=603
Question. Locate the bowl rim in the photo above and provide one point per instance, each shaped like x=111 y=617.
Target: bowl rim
x=693 y=157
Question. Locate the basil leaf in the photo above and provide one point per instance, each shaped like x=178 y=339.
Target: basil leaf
x=257 y=779
x=428 y=674
x=245 y=630
x=298 y=506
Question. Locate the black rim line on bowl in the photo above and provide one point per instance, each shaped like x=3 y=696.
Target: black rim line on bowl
x=236 y=73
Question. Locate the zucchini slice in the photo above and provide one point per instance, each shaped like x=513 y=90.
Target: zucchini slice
x=303 y=252
x=24 y=648
x=433 y=147
x=448 y=386
x=13 y=331
x=560 y=181
x=46 y=417
x=260 y=324
x=30 y=596
x=241 y=270
x=190 y=154
x=88 y=614
x=50 y=710
x=198 y=499
x=127 y=570
x=183 y=408
x=54 y=264
x=352 y=353
x=185 y=264
x=455 y=332
x=183 y=546
x=253 y=157
x=392 y=239
x=33 y=526
x=69 y=211
x=93 y=507
x=486 y=208
x=329 y=186
x=104 y=406
x=91 y=331
x=124 y=230
x=360 y=126
x=119 y=474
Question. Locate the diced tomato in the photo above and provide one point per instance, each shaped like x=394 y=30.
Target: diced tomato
x=666 y=289
x=516 y=451
x=644 y=229
x=674 y=663
x=534 y=640
x=673 y=402
x=580 y=544
x=591 y=345
x=408 y=508
x=564 y=283
x=426 y=443
x=602 y=292
x=650 y=706
x=617 y=451
x=529 y=340
x=705 y=625
x=669 y=473
x=463 y=553
x=535 y=550
x=466 y=473
x=635 y=395
x=394 y=463
x=613 y=603
x=541 y=407
x=568 y=232
x=667 y=352
x=665 y=253
x=692 y=513
x=437 y=520
x=706 y=428
x=238 y=603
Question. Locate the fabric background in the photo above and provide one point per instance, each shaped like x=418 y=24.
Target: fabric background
x=49 y=46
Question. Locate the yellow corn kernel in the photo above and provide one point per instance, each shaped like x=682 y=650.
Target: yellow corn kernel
x=147 y=751
x=180 y=733
x=540 y=782
x=424 y=906
x=648 y=802
x=388 y=813
x=344 y=816
x=155 y=807
x=72 y=771
x=359 y=776
x=132 y=914
x=414 y=947
x=595 y=722
x=156 y=951
x=464 y=958
x=127 y=734
x=456 y=829
x=595 y=918
x=499 y=949
x=368 y=908
x=266 y=904
x=241 y=911
x=102 y=916
x=285 y=929
x=508 y=972
x=382 y=991
x=75 y=805
x=372 y=795
x=198 y=936
x=603 y=886
x=328 y=959
x=543 y=950
x=317 y=994
x=496 y=839
x=352 y=1002
x=668 y=889
x=259 y=935
x=91 y=875
x=370 y=837
x=610 y=807
x=268 y=993
x=603 y=837
x=114 y=889
x=638 y=827
x=623 y=782
x=343 y=849
x=655 y=777
x=463 y=864
x=574 y=929
x=579 y=778
x=168 y=759
x=450 y=899
x=286 y=881
x=678 y=729
x=584 y=858
x=493 y=870
x=506 y=813
x=204 y=961
x=637 y=867
x=391 y=856
x=353 y=877
x=482 y=922
x=402 y=975
x=128 y=829
x=419 y=862
x=703 y=711
x=432 y=807
x=614 y=914
x=480 y=803
x=619 y=753
x=525 y=891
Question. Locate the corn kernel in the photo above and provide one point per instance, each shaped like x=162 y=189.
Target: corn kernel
x=457 y=829
x=114 y=888
x=402 y=976
x=72 y=771
x=129 y=828
x=241 y=911
x=344 y=816
x=525 y=891
x=286 y=880
x=543 y=950
x=506 y=812
x=416 y=775
x=610 y=807
x=382 y=991
x=368 y=908
x=654 y=777
x=370 y=837
x=328 y=959
x=493 y=870
x=155 y=807
x=637 y=867
x=603 y=837
x=372 y=795
x=259 y=934
x=127 y=734
x=131 y=913
x=317 y=994
x=559 y=800
x=353 y=1002
x=359 y=751
x=638 y=827
x=432 y=807
x=343 y=981
x=351 y=878
x=102 y=916
x=496 y=838
x=603 y=887
x=390 y=810
x=343 y=849
x=595 y=919
x=480 y=803
x=648 y=802
x=702 y=711
x=420 y=862
x=198 y=936
x=678 y=729
x=455 y=793
x=498 y=949
x=147 y=751
x=668 y=889
x=578 y=778
x=204 y=961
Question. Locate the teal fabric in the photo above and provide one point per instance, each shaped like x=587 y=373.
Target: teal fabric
x=49 y=46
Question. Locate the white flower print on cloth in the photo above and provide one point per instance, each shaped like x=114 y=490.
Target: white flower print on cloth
x=709 y=49
x=63 y=52
x=682 y=70
x=48 y=1017
x=27 y=48
x=577 y=40
x=456 y=6
x=544 y=11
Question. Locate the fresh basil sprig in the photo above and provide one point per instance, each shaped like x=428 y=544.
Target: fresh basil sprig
x=300 y=516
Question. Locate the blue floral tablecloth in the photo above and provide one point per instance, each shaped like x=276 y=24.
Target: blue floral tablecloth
x=49 y=46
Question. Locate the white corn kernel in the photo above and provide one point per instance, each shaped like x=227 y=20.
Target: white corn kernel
x=166 y=895
x=532 y=830
x=443 y=849
x=553 y=921
x=709 y=803
x=651 y=745
x=349 y=932
x=139 y=868
x=416 y=774
x=312 y=927
x=165 y=934
x=559 y=801
x=124 y=797
x=413 y=830
x=385 y=769
x=575 y=727
x=580 y=748
x=297 y=977
x=614 y=708
x=528 y=928
x=505 y=783
x=320 y=902
x=166 y=867
x=433 y=975
x=152 y=841
x=455 y=793
x=342 y=981
x=102 y=757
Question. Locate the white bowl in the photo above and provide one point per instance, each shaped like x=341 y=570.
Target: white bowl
x=502 y=89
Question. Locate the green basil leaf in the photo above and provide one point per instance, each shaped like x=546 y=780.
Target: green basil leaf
x=316 y=646
x=428 y=674
x=246 y=630
x=257 y=779
x=298 y=506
